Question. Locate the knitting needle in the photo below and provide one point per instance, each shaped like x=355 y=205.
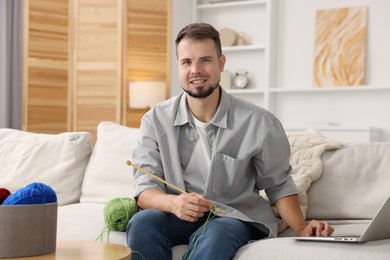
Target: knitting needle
x=155 y=176
x=128 y=162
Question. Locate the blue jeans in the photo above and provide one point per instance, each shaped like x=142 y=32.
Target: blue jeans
x=152 y=233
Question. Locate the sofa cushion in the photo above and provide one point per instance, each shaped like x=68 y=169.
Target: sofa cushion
x=56 y=160
x=107 y=175
x=354 y=184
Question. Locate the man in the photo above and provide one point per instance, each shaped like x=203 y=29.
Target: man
x=219 y=149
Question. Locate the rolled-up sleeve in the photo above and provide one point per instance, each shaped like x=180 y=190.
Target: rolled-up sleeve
x=147 y=156
x=272 y=164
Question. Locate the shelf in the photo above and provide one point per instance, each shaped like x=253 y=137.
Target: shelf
x=243 y=48
x=230 y=4
x=340 y=132
x=329 y=89
x=328 y=126
x=245 y=91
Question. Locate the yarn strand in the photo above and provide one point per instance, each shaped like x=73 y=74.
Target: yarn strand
x=194 y=242
x=100 y=238
x=138 y=253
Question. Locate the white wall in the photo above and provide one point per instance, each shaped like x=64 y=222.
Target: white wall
x=294 y=61
x=295 y=40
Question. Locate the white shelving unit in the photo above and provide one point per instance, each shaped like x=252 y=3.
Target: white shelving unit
x=366 y=88
x=255 y=56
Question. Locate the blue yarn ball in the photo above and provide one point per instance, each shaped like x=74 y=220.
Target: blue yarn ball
x=34 y=193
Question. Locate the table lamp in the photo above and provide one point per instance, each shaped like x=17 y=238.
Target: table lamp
x=145 y=94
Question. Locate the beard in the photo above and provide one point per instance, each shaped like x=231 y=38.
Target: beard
x=201 y=92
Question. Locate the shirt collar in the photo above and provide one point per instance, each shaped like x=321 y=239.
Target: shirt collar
x=183 y=115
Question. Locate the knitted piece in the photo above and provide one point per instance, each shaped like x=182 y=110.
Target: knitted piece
x=34 y=193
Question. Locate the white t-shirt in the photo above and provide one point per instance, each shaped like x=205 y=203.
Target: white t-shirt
x=197 y=170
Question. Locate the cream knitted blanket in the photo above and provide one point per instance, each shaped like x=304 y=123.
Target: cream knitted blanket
x=307 y=148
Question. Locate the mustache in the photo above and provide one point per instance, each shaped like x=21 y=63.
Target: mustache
x=198 y=77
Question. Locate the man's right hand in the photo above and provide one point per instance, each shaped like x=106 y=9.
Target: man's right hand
x=190 y=207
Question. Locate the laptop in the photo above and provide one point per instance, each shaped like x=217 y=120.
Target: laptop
x=379 y=228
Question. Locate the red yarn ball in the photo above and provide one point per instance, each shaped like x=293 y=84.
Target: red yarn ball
x=4 y=193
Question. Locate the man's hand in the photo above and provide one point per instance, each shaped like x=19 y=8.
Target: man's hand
x=316 y=228
x=290 y=211
x=190 y=207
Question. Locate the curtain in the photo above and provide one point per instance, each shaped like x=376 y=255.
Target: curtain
x=11 y=63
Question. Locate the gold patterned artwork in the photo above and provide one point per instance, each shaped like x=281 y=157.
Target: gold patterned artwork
x=340 y=47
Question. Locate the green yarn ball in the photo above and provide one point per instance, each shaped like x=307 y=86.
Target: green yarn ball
x=118 y=212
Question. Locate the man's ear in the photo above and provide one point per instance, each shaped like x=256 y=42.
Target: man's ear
x=222 y=61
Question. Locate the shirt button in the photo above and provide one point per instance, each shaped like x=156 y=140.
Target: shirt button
x=192 y=139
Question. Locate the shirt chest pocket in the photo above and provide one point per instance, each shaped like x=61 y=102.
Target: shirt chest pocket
x=230 y=175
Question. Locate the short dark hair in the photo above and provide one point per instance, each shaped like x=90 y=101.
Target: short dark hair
x=200 y=31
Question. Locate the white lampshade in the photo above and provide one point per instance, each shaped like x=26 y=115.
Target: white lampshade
x=145 y=94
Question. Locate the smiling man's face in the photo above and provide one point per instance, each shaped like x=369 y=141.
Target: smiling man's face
x=199 y=67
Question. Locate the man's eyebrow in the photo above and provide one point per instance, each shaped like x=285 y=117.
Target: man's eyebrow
x=201 y=58
x=206 y=57
x=185 y=59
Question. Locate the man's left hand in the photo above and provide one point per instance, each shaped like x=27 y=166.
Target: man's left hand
x=317 y=228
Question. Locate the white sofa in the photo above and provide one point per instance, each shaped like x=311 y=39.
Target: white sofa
x=354 y=183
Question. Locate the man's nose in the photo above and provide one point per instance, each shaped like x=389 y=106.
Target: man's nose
x=195 y=68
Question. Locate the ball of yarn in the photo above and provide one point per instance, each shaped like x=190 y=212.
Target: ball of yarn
x=34 y=193
x=4 y=193
x=118 y=212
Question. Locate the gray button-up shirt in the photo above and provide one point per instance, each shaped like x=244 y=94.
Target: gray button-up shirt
x=249 y=152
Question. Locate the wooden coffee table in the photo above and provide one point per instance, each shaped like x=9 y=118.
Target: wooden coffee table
x=80 y=250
